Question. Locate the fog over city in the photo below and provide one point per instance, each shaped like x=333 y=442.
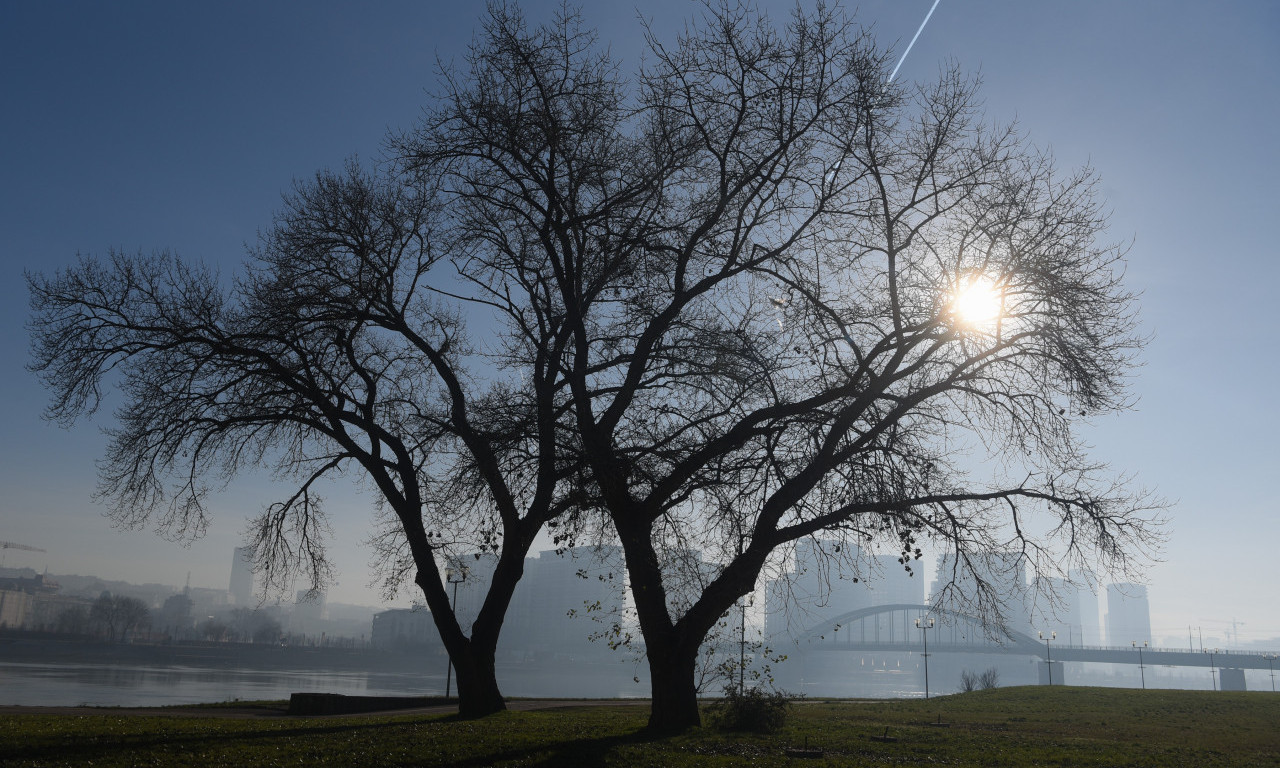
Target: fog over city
x=146 y=128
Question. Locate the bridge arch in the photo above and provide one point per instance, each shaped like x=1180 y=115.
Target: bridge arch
x=971 y=630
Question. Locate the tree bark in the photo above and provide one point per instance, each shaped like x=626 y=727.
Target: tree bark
x=478 y=693
x=675 y=694
x=672 y=655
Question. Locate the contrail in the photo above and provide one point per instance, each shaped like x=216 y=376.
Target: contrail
x=913 y=40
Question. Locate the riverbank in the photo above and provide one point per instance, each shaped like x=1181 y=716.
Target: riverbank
x=1009 y=727
x=67 y=672
x=255 y=710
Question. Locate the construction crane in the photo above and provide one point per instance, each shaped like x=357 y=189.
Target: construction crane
x=14 y=545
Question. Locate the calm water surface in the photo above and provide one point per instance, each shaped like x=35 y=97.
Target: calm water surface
x=145 y=686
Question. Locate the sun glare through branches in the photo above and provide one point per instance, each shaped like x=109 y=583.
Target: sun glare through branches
x=977 y=303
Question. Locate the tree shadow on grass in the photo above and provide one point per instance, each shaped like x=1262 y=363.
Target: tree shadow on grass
x=126 y=748
x=101 y=747
x=589 y=752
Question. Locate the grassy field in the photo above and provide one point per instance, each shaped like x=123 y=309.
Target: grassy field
x=1037 y=726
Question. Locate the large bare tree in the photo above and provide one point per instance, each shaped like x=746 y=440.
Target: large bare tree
x=336 y=350
x=788 y=297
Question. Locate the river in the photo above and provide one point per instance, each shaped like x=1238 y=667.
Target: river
x=126 y=685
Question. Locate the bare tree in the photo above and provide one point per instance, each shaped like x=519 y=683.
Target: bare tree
x=118 y=615
x=73 y=620
x=337 y=349
x=782 y=296
x=990 y=678
x=214 y=629
x=254 y=626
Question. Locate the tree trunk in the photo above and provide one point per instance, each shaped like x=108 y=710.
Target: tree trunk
x=672 y=656
x=675 y=694
x=478 y=693
x=473 y=658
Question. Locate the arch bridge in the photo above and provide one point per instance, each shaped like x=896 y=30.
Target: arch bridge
x=892 y=628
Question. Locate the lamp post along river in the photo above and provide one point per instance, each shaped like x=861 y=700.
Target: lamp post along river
x=924 y=628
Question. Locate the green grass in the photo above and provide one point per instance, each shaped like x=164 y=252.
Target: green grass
x=1006 y=727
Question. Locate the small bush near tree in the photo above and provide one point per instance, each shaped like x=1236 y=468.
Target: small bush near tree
x=989 y=679
x=970 y=681
x=753 y=710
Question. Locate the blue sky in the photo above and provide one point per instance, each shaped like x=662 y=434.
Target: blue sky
x=146 y=126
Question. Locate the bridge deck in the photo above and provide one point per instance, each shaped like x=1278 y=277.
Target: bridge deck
x=890 y=628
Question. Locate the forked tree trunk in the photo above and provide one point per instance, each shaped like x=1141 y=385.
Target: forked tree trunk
x=473 y=658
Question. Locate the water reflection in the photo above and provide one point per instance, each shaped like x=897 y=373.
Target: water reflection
x=145 y=686
x=134 y=686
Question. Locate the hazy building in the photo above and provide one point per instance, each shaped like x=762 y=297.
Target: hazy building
x=1004 y=573
x=1086 y=609
x=1128 y=615
x=174 y=617
x=207 y=602
x=1068 y=607
x=59 y=613
x=308 y=612
x=472 y=574
x=241 y=587
x=14 y=608
x=21 y=599
x=563 y=599
x=403 y=628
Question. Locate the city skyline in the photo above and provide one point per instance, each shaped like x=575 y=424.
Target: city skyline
x=812 y=593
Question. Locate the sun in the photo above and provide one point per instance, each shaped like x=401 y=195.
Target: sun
x=977 y=303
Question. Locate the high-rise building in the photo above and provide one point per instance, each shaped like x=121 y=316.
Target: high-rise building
x=563 y=599
x=472 y=575
x=1128 y=615
x=1086 y=609
x=241 y=587
x=1068 y=607
x=1007 y=592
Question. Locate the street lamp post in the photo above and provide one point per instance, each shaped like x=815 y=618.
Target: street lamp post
x=1049 y=654
x=924 y=628
x=742 y=645
x=1213 y=666
x=1271 y=657
x=1141 y=669
x=449 y=573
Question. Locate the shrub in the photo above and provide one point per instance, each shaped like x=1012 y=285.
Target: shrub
x=753 y=710
x=968 y=681
x=989 y=679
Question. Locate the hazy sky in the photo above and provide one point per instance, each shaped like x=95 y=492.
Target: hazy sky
x=145 y=126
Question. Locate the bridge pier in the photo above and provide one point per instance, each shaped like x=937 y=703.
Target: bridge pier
x=1231 y=679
